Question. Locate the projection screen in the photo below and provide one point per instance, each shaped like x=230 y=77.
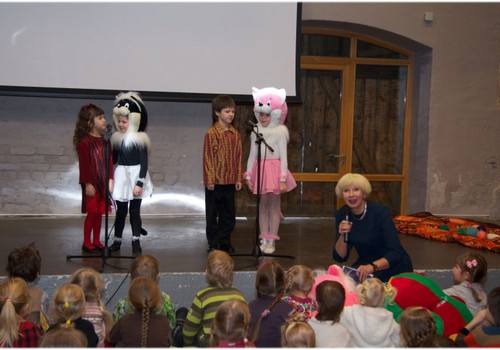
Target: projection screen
x=165 y=48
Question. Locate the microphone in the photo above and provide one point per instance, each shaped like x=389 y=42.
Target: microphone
x=252 y=124
x=346 y=235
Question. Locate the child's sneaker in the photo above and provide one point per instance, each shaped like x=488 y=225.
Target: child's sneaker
x=263 y=244
x=270 y=248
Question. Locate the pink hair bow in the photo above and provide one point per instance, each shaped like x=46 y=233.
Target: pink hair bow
x=472 y=263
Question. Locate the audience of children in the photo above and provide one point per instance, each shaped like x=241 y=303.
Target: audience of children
x=330 y=298
x=145 y=327
x=92 y=285
x=297 y=334
x=283 y=314
x=146 y=266
x=230 y=325
x=476 y=333
x=299 y=283
x=416 y=325
x=15 y=331
x=68 y=305
x=64 y=337
x=268 y=311
x=219 y=274
x=362 y=319
x=469 y=274
x=26 y=262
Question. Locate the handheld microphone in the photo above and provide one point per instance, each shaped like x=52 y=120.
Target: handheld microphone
x=252 y=124
x=346 y=235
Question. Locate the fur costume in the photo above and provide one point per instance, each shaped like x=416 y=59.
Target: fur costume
x=336 y=274
x=130 y=104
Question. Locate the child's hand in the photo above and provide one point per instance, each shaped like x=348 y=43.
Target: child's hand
x=137 y=191
x=210 y=187
x=238 y=186
x=282 y=187
x=111 y=186
x=89 y=190
x=250 y=185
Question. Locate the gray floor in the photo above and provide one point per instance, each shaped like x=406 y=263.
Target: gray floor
x=179 y=244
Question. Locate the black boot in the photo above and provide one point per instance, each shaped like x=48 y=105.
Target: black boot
x=144 y=232
x=136 y=247
x=115 y=246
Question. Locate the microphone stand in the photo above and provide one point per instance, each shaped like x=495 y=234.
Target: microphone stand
x=105 y=253
x=257 y=252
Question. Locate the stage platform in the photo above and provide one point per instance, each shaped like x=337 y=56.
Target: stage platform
x=179 y=244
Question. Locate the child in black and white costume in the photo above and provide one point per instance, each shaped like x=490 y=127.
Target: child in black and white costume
x=131 y=146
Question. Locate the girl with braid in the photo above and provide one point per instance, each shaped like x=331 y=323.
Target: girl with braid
x=299 y=283
x=268 y=311
x=416 y=324
x=92 y=285
x=88 y=142
x=469 y=275
x=143 y=328
x=68 y=306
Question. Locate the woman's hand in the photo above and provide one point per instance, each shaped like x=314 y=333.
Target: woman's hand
x=137 y=191
x=345 y=228
x=363 y=271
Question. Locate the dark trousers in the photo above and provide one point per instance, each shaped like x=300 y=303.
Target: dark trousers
x=220 y=214
x=135 y=217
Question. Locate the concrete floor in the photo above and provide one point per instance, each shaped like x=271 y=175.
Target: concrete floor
x=179 y=243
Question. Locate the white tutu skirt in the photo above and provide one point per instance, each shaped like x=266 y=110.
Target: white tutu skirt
x=126 y=177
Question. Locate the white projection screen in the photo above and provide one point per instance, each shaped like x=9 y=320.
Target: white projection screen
x=162 y=48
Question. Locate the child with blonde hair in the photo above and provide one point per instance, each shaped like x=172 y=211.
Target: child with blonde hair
x=369 y=323
x=15 y=331
x=469 y=274
x=299 y=283
x=268 y=312
x=92 y=285
x=416 y=324
x=219 y=273
x=68 y=305
x=230 y=326
x=145 y=327
x=297 y=334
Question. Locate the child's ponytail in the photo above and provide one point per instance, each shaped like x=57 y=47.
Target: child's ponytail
x=14 y=295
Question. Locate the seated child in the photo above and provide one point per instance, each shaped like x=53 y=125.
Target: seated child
x=299 y=283
x=330 y=297
x=219 y=274
x=230 y=325
x=63 y=337
x=15 y=331
x=369 y=323
x=297 y=334
x=416 y=325
x=469 y=275
x=25 y=262
x=146 y=266
x=68 y=305
x=476 y=335
x=268 y=311
x=145 y=327
x=92 y=285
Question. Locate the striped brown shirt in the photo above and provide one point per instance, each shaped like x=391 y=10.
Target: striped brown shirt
x=222 y=164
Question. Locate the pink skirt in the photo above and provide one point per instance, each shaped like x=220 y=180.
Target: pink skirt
x=270 y=173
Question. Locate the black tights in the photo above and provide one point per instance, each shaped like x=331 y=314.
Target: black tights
x=135 y=217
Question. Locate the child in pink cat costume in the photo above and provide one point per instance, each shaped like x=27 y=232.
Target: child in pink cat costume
x=270 y=110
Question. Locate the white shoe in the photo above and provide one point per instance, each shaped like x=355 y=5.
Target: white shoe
x=263 y=244
x=270 y=247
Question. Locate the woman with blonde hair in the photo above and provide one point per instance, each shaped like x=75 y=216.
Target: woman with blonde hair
x=15 y=331
x=367 y=227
